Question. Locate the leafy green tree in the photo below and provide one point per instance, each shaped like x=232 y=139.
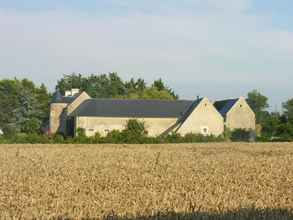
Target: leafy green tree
x=259 y=104
x=160 y=85
x=285 y=131
x=24 y=106
x=9 y=90
x=135 y=86
x=154 y=93
x=70 y=81
x=270 y=124
x=134 y=132
x=112 y=86
x=288 y=110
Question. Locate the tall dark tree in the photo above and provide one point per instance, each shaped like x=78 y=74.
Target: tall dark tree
x=160 y=86
x=70 y=81
x=112 y=86
x=259 y=104
x=24 y=106
x=288 y=110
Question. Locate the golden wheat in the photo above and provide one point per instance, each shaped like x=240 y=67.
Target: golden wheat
x=200 y=181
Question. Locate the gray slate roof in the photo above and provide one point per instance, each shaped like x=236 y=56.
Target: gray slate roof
x=224 y=106
x=58 y=98
x=133 y=108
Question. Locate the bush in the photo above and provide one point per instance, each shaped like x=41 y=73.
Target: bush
x=114 y=137
x=243 y=135
x=36 y=139
x=173 y=138
x=97 y=138
x=227 y=134
x=136 y=127
x=81 y=137
x=196 y=138
x=134 y=132
x=2 y=140
x=58 y=139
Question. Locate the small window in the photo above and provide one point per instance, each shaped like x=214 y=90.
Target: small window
x=241 y=106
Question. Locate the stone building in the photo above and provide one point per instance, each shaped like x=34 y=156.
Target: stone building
x=236 y=113
x=78 y=110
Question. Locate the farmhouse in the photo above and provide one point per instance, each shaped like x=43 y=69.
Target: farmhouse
x=236 y=113
x=78 y=110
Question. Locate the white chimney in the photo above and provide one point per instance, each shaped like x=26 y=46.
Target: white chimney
x=74 y=92
x=67 y=93
x=71 y=92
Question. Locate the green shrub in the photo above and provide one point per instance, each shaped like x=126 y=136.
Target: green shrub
x=134 y=132
x=243 y=135
x=97 y=138
x=2 y=140
x=227 y=134
x=199 y=138
x=173 y=138
x=136 y=127
x=36 y=139
x=81 y=137
x=114 y=136
x=58 y=139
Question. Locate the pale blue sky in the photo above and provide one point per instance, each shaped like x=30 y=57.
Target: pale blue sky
x=214 y=48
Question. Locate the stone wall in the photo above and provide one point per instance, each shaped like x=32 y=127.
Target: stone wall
x=154 y=126
x=57 y=118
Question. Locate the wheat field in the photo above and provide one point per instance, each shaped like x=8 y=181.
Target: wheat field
x=187 y=181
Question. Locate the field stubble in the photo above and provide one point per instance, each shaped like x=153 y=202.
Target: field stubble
x=201 y=181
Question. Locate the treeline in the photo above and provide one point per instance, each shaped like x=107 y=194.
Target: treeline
x=271 y=126
x=24 y=107
x=112 y=86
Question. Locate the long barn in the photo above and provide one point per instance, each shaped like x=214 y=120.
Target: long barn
x=78 y=110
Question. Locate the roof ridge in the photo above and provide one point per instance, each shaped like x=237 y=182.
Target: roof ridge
x=222 y=100
x=159 y=100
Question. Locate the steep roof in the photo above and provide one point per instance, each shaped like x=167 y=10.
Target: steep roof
x=59 y=98
x=224 y=106
x=133 y=108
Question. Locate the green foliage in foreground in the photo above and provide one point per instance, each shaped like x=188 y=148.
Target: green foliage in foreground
x=134 y=133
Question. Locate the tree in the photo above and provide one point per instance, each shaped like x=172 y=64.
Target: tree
x=24 y=106
x=259 y=104
x=154 y=93
x=8 y=101
x=271 y=124
x=134 y=132
x=288 y=110
x=135 y=86
x=112 y=86
x=160 y=85
x=70 y=81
